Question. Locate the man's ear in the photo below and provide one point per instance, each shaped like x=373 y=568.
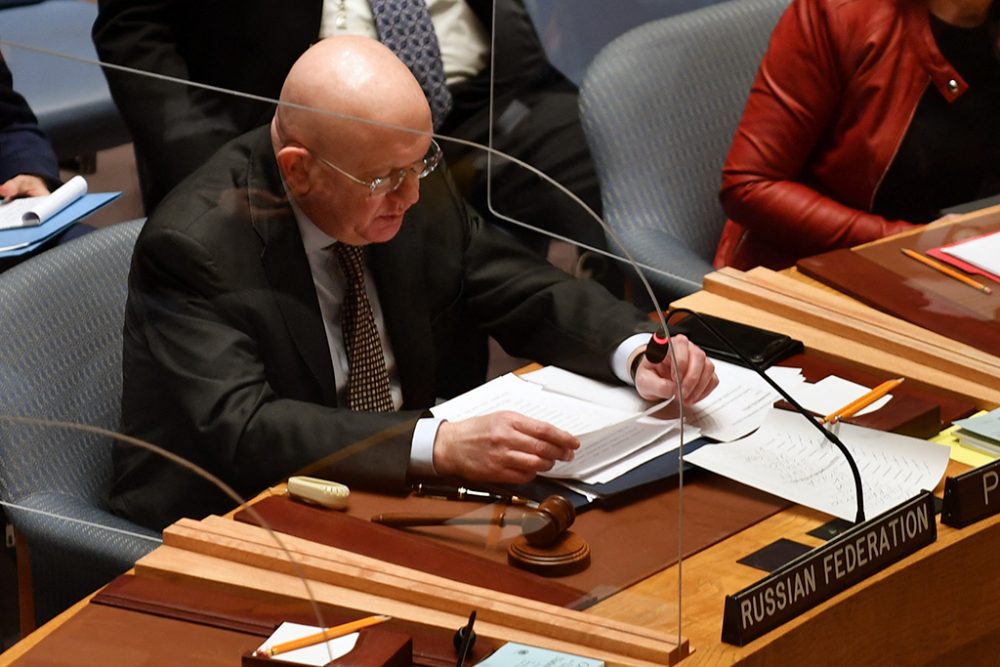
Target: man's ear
x=294 y=161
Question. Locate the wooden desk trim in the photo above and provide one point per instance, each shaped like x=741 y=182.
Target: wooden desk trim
x=836 y=347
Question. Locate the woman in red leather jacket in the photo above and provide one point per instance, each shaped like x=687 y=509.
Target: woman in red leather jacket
x=866 y=117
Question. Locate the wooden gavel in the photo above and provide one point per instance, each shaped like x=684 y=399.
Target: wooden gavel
x=541 y=526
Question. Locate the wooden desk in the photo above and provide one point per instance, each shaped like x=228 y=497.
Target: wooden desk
x=940 y=606
x=880 y=275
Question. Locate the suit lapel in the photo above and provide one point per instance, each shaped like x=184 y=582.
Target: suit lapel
x=398 y=267
x=286 y=266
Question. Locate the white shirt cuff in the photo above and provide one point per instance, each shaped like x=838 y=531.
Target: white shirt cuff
x=619 y=360
x=422 y=447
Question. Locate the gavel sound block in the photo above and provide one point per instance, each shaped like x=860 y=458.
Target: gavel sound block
x=545 y=546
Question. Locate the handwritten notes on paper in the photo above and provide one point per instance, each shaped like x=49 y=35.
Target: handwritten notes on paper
x=788 y=457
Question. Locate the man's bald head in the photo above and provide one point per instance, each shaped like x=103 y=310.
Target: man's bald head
x=355 y=78
x=352 y=116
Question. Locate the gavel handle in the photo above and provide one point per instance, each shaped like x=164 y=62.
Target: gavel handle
x=407 y=520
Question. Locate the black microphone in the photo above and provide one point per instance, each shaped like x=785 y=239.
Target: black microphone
x=656 y=350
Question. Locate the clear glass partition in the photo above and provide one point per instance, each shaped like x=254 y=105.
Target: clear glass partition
x=233 y=366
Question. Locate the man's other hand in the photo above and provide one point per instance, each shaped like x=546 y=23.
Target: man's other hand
x=500 y=447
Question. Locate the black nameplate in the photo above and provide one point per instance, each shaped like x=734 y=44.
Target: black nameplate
x=971 y=496
x=828 y=569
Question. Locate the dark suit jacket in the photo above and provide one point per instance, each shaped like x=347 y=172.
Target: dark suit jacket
x=225 y=357
x=249 y=46
x=24 y=148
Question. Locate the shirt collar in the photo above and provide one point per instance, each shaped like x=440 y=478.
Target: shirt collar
x=315 y=241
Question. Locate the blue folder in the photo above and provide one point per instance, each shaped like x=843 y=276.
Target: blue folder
x=24 y=240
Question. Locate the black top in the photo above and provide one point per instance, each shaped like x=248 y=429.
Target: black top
x=949 y=155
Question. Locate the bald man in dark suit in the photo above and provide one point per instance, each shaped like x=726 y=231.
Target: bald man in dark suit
x=235 y=351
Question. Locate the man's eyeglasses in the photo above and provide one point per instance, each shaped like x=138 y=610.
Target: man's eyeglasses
x=383 y=185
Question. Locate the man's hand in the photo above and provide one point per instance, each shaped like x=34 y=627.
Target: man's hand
x=23 y=185
x=500 y=447
x=695 y=370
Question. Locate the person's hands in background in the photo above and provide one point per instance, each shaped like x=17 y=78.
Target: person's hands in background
x=23 y=185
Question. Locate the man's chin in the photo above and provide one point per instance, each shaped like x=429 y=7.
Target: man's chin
x=384 y=228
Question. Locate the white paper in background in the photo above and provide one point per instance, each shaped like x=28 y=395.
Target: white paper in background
x=318 y=654
x=982 y=252
x=31 y=211
x=832 y=393
x=788 y=457
x=785 y=376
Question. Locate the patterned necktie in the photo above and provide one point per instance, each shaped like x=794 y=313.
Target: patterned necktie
x=405 y=27
x=368 y=385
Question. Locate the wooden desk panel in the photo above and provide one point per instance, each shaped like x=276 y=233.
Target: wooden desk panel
x=938 y=606
x=880 y=276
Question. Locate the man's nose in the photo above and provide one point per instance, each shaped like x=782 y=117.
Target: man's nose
x=408 y=191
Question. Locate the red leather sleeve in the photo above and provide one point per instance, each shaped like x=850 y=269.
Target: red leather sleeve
x=789 y=113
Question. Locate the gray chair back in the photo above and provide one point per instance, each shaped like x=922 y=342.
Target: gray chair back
x=659 y=107
x=61 y=316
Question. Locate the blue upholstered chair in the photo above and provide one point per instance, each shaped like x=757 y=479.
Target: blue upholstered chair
x=61 y=316
x=660 y=105
x=70 y=98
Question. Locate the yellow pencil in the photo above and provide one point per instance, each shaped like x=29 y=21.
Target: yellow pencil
x=324 y=635
x=863 y=402
x=951 y=273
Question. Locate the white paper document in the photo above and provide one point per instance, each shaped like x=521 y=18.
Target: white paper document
x=30 y=211
x=738 y=405
x=616 y=396
x=788 y=457
x=317 y=654
x=607 y=436
x=832 y=393
x=982 y=252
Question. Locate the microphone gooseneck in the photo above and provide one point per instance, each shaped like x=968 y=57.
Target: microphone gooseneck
x=860 y=517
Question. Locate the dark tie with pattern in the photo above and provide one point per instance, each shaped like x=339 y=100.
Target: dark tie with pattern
x=368 y=385
x=405 y=27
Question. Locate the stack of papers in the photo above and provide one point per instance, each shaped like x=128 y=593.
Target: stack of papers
x=784 y=454
x=981 y=433
x=613 y=440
